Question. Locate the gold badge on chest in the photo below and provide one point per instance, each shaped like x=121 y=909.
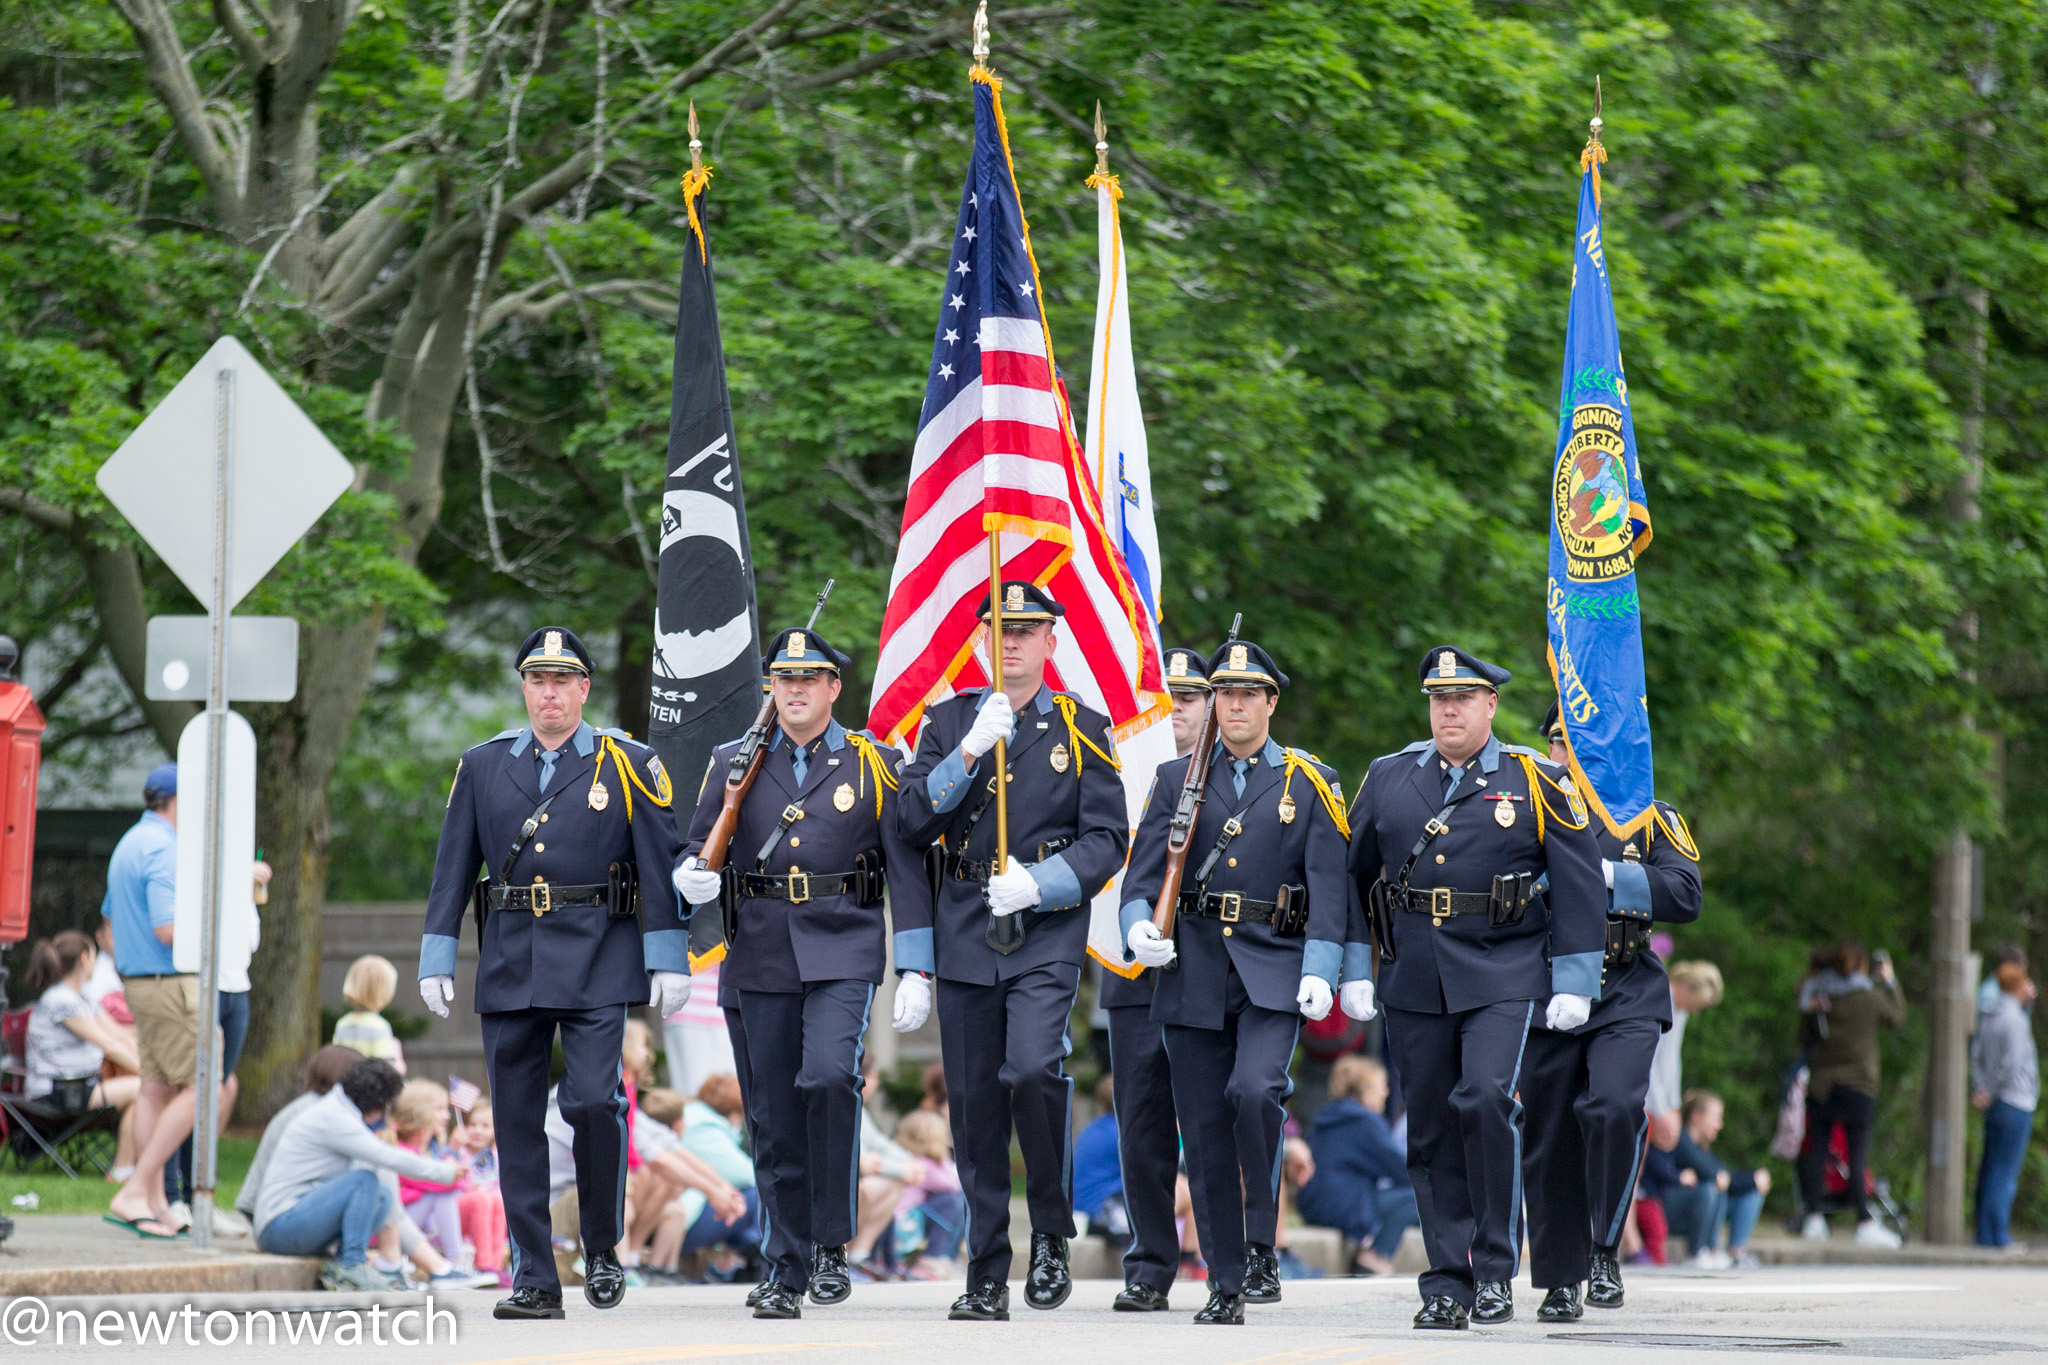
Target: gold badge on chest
x=1504 y=813
x=1060 y=758
x=1286 y=809
x=842 y=797
x=599 y=797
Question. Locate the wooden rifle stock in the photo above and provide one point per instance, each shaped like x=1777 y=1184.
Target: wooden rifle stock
x=739 y=780
x=1182 y=831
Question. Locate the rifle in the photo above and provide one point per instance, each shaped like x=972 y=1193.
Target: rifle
x=1167 y=908
x=746 y=766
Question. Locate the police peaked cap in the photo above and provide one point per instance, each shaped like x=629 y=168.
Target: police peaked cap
x=554 y=647
x=1553 y=723
x=1024 y=604
x=1186 y=670
x=803 y=651
x=1243 y=664
x=1450 y=669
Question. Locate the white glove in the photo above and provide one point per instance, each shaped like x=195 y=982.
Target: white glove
x=913 y=1002
x=1148 y=946
x=694 y=884
x=1567 y=1012
x=1358 y=1000
x=1012 y=890
x=1607 y=871
x=1314 y=997
x=437 y=992
x=995 y=721
x=668 y=992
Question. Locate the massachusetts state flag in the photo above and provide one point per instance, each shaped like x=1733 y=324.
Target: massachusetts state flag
x=1599 y=522
x=1123 y=478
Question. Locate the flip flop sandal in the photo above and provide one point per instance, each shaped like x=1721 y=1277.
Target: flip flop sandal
x=135 y=1225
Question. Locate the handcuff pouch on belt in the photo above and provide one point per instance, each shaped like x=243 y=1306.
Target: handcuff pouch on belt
x=624 y=883
x=1628 y=936
x=1511 y=896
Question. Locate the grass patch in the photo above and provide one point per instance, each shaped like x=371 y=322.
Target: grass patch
x=56 y=1193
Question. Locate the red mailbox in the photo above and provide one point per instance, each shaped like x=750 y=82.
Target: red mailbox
x=21 y=754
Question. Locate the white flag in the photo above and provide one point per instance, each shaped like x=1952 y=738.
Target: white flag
x=1116 y=454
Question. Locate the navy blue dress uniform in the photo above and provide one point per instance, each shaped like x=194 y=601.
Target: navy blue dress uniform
x=816 y=842
x=1584 y=1090
x=1147 y=1133
x=576 y=845
x=1271 y=830
x=1474 y=954
x=1003 y=1017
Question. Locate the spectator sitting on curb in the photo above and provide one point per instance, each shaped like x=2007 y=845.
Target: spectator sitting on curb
x=419 y=1123
x=70 y=1039
x=482 y=1205
x=1098 y=1170
x=324 y=1071
x=1690 y=1197
x=886 y=1166
x=932 y=1213
x=1743 y=1190
x=707 y=1129
x=1361 y=1185
x=321 y=1194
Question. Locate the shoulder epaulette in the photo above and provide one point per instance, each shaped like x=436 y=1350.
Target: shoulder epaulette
x=502 y=734
x=616 y=733
x=1417 y=747
x=1525 y=751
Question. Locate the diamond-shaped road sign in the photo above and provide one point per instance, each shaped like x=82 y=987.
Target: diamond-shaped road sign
x=285 y=474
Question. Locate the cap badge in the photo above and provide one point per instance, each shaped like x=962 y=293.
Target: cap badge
x=1446 y=664
x=1238 y=658
x=842 y=798
x=1060 y=758
x=599 y=797
x=552 y=644
x=1179 y=668
x=1504 y=814
x=1013 y=597
x=1286 y=808
x=797 y=647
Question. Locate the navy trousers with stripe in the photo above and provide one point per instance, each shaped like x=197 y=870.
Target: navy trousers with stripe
x=1005 y=1048
x=802 y=1088
x=1148 y=1143
x=1230 y=1087
x=1584 y=1141
x=518 y=1046
x=1459 y=1075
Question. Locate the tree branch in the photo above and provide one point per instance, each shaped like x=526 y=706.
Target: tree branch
x=255 y=54
x=171 y=77
x=47 y=515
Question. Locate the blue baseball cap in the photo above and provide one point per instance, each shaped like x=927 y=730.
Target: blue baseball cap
x=162 y=781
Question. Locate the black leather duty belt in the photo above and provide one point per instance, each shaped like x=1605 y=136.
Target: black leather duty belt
x=1227 y=906
x=1441 y=902
x=541 y=897
x=981 y=869
x=798 y=887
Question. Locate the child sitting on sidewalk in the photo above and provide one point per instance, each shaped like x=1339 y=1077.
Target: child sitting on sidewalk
x=932 y=1210
x=369 y=986
x=419 y=1123
x=482 y=1205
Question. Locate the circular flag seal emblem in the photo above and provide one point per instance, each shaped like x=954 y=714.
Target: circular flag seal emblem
x=1589 y=497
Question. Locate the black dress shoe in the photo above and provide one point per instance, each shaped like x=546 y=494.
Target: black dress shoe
x=1442 y=1313
x=1222 y=1308
x=1261 y=1273
x=604 y=1279
x=1603 y=1289
x=1140 y=1298
x=528 y=1302
x=988 y=1301
x=780 y=1301
x=759 y=1292
x=1048 y=1283
x=1561 y=1305
x=1493 y=1301
x=830 y=1283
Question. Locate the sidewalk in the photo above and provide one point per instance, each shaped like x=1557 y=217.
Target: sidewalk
x=77 y=1254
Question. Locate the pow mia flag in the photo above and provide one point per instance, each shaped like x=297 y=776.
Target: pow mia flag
x=707 y=666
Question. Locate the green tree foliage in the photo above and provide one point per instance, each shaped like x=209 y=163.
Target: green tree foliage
x=1349 y=243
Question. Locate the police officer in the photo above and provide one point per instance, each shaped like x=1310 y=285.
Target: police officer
x=571 y=831
x=1584 y=1089
x=1259 y=939
x=806 y=867
x=1147 y=1134
x=1451 y=836
x=1003 y=1015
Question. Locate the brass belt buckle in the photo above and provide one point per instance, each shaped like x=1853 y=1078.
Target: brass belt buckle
x=542 y=898
x=797 y=879
x=1440 y=902
x=1229 y=906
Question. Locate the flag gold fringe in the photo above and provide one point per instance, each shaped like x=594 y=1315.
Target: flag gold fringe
x=694 y=181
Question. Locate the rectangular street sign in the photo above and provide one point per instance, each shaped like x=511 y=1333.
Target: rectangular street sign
x=263 y=658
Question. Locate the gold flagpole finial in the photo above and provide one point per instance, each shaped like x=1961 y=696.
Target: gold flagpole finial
x=1595 y=153
x=696 y=143
x=981 y=36
x=1101 y=142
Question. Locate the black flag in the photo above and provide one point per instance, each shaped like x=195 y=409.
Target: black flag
x=707 y=653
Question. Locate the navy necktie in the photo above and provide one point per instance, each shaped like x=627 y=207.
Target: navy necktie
x=1238 y=768
x=800 y=760
x=548 y=758
x=1456 y=775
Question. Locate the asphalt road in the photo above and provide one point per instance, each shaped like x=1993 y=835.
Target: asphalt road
x=1803 y=1313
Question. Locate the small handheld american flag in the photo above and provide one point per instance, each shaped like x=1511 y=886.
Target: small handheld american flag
x=463 y=1095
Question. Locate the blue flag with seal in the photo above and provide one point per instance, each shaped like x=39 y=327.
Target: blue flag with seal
x=1599 y=523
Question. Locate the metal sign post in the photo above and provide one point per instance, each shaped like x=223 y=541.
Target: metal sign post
x=206 y=1096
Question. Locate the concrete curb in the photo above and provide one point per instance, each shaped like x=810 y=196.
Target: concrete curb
x=280 y=1301
x=209 y=1275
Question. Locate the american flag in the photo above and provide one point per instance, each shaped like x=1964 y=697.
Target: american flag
x=995 y=452
x=463 y=1095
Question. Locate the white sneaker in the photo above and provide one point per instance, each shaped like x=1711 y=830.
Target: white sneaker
x=1871 y=1233
x=1710 y=1258
x=1816 y=1227
x=228 y=1223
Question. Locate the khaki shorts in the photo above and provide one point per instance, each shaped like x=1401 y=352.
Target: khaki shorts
x=166 y=1010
